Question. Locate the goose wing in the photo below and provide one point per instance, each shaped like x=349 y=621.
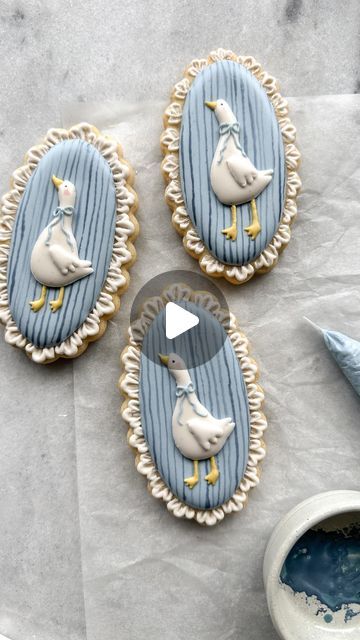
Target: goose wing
x=241 y=169
x=66 y=261
x=206 y=433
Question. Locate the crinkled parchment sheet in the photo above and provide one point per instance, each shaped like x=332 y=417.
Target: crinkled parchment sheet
x=88 y=552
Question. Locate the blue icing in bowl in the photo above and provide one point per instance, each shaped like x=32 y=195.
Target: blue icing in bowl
x=326 y=564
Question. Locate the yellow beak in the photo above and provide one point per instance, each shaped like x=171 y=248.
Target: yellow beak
x=57 y=181
x=164 y=359
x=211 y=105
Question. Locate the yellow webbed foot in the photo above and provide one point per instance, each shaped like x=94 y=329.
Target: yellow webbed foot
x=253 y=230
x=213 y=476
x=56 y=304
x=193 y=480
x=37 y=304
x=230 y=232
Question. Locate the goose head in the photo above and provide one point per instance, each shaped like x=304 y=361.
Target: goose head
x=222 y=111
x=67 y=192
x=176 y=366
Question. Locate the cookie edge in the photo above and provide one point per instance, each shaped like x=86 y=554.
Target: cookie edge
x=131 y=413
x=169 y=143
x=112 y=153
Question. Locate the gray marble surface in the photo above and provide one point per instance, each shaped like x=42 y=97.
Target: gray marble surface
x=85 y=552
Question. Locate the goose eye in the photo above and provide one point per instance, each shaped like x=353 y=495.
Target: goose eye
x=172 y=361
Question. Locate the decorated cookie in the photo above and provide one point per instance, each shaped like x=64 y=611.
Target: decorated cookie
x=196 y=430
x=66 y=232
x=230 y=166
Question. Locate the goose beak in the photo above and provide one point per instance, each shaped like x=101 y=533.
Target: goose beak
x=164 y=359
x=57 y=181
x=211 y=105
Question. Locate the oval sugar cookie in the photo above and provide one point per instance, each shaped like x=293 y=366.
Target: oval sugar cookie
x=230 y=166
x=66 y=233
x=197 y=430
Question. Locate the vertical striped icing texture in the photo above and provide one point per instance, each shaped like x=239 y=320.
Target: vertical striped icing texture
x=261 y=138
x=220 y=387
x=93 y=227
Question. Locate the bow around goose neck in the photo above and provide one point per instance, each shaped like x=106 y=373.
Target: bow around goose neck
x=58 y=218
x=183 y=392
x=227 y=130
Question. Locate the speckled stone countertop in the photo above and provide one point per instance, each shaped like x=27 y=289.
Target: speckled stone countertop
x=85 y=552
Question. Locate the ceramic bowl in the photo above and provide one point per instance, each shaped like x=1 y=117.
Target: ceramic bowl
x=295 y=615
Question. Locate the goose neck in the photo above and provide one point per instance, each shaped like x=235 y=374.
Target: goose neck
x=182 y=377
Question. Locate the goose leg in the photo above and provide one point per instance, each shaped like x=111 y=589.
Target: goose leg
x=193 y=480
x=231 y=232
x=254 y=228
x=56 y=304
x=213 y=476
x=37 y=304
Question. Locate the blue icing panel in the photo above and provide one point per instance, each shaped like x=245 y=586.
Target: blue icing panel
x=220 y=387
x=93 y=227
x=261 y=139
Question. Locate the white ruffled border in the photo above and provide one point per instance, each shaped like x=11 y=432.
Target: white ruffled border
x=123 y=253
x=170 y=166
x=130 y=410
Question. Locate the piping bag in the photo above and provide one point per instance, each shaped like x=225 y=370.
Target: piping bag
x=345 y=351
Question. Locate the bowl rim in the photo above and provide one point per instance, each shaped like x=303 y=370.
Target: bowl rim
x=287 y=532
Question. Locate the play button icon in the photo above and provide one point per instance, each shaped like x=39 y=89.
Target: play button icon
x=178 y=320
x=177 y=312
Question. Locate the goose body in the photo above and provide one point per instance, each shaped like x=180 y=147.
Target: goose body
x=55 y=259
x=197 y=434
x=58 y=264
x=234 y=179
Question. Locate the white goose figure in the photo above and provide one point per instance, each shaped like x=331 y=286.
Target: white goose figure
x=197 y=434
x=55 y=260
x=234 y=178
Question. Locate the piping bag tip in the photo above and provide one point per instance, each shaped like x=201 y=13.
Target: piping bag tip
x=313 y=324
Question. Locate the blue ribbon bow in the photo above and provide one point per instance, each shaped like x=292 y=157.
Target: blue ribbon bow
x=59 y=214
x=184 y=392
x=229 y=130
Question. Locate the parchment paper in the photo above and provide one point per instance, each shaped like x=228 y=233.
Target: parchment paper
x=145 y=572
x=86 y=552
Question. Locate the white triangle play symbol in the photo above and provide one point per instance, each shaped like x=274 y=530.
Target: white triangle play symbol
x=178 y=320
